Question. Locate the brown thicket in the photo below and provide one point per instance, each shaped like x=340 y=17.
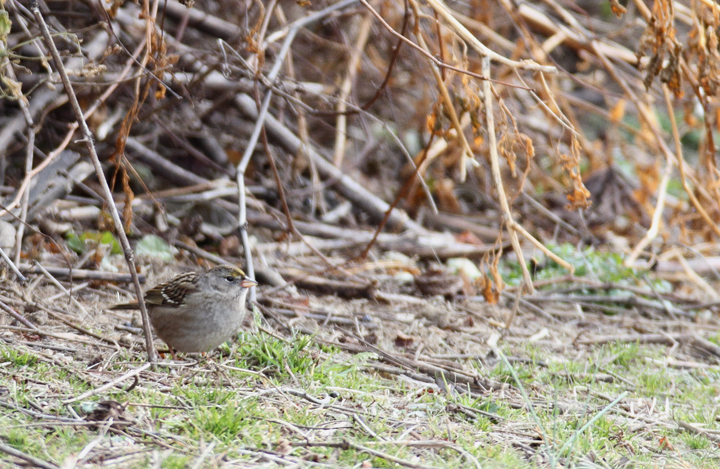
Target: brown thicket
x=510 y=126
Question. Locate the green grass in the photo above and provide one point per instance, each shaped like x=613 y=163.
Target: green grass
x=174 y=461
x=16 y=357
x=609 y=437
x=276 y=357
x=247 y=399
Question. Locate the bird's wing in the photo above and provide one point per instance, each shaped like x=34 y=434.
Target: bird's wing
x=172 y=293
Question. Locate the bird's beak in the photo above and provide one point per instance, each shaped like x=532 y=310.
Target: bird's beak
x=248 y=283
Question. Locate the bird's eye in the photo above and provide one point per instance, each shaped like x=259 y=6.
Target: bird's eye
x=230 y=278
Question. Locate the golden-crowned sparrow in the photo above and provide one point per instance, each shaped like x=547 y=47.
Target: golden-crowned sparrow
x=197 y=311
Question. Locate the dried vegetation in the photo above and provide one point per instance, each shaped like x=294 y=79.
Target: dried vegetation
x=486 y=231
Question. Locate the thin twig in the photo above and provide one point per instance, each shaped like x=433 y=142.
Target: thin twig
x=82 y=274
x=466 y=153
x=432 y=58
x=345 y=445
x=205 y=453
x=108 y=385
x=346 y=87
x=259 y=125
x=29 y=151
x=88 y=139
x=401 y=195
x=590 y=422
x=26 y=457
x=55 y=282
x=481 y=49
x=56 y=336
x=17 y=316
x=12 y=265
x=497 y=177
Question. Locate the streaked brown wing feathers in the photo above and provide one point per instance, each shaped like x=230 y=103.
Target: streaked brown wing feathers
x=172 y=293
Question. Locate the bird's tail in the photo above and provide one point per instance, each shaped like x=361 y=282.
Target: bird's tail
x=124 y=306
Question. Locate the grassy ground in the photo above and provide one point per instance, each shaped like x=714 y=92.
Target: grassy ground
x=435 y=383
x=276 y=401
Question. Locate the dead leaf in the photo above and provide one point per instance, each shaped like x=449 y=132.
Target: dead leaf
x=403 y=340
x=468 y=237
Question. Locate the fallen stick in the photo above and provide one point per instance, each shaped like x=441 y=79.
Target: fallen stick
x=89 y=142
x=26 y=457
x=639 y=338
x=108 y=385
x=345 y=186
x=81 y=274
x=425 y=246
